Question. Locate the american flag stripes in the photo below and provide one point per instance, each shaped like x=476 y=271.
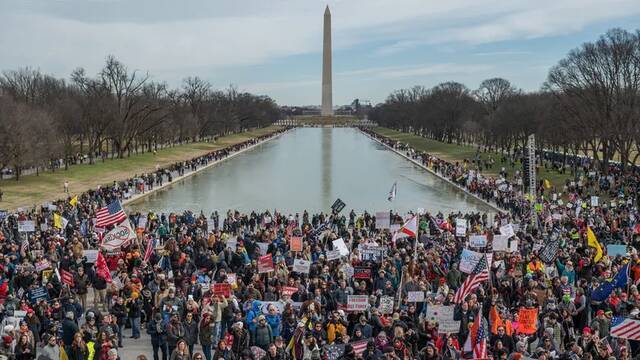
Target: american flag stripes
x=151 y=244
x=479 y=275
x=625 y=328
x=360 y=346
x=480 y=331
x=110 y=214
x=24 y=246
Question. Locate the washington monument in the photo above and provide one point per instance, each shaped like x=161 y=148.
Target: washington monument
x=327 y=95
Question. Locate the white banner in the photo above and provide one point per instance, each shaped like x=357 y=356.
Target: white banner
x=91 y=255
x=120 y=236
x=500 y=243
x=333 y=255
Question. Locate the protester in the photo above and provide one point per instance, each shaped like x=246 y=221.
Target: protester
x=537 y=281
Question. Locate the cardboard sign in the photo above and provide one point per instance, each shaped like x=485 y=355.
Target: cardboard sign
x=222 y=289
x=361 y=272
x=469 y=260
x=341 y=246
x=478 y=241
x=333 y=255
x=386 y=305
x=444 y=316
x=265 y=264
x=289 y=290
x=415 y=296
x=295 y=243
x=528 y=319
x=549 y=252
x=507 y=230
x=91 y=255
x=301 y=266
x=500 y=243
x=26 y=226
x=357 y=302
x=383 y=220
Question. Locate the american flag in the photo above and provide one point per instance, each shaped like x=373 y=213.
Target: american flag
x=24 y=246
x=475 y=279
x=360 y=346
x=151 y=244
x=110 y=214
x=625 y=328
x=480 y=332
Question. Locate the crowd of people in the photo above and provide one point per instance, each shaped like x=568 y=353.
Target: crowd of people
x=537 y=280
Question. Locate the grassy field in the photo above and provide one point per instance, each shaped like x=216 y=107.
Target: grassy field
x=454 y=152
x=32 y=189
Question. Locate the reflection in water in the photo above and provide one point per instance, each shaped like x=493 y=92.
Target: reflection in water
x=287 y=175
x=327 y=156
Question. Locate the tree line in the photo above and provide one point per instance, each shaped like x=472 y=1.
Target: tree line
x=44 y=119
x=589 y=104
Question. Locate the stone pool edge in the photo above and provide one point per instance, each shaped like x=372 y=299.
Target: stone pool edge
x=178 y=179
x=460 y=188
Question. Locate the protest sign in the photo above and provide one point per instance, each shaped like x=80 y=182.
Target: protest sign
x=469 y=259
x=478 y=241
x=289 y=290
x=357 y=302
x=333 y=254
x=383 y=220
x=369 y=252
x=39 y=293
x=26 y=226
x=386 y=305
x=415 y=296
x=90 y=255
x=507 y=230
x=461 y=227
x=42 y=265
x=614 y=250
x=594 y=201
x=549 y=252
x=231 y=279
x=500 y=243
x=361 y=272
x=528 y=319
x=338 y=205
x=222 y=289
x=295 y=243
x=341 y=246
x=301 y=266
x=66 y=277
x=444 y=316
x=265 y=264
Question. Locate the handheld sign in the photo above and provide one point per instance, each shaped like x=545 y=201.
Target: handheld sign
x=338 y=205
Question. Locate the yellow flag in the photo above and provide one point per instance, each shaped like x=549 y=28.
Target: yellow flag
x=547 y=184
x=63 y=354
x=593 y=242
x=57 y=220
x=74 y=201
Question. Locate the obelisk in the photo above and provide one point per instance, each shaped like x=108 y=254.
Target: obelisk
x=327 y=102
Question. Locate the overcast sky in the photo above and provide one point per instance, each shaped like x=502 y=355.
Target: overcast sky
x=274 y=47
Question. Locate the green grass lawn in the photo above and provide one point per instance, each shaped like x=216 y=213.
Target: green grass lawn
x=34 y=190
x=454 y=152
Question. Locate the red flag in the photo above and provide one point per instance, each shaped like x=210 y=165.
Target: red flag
x=411 y=227
x=101 y=268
